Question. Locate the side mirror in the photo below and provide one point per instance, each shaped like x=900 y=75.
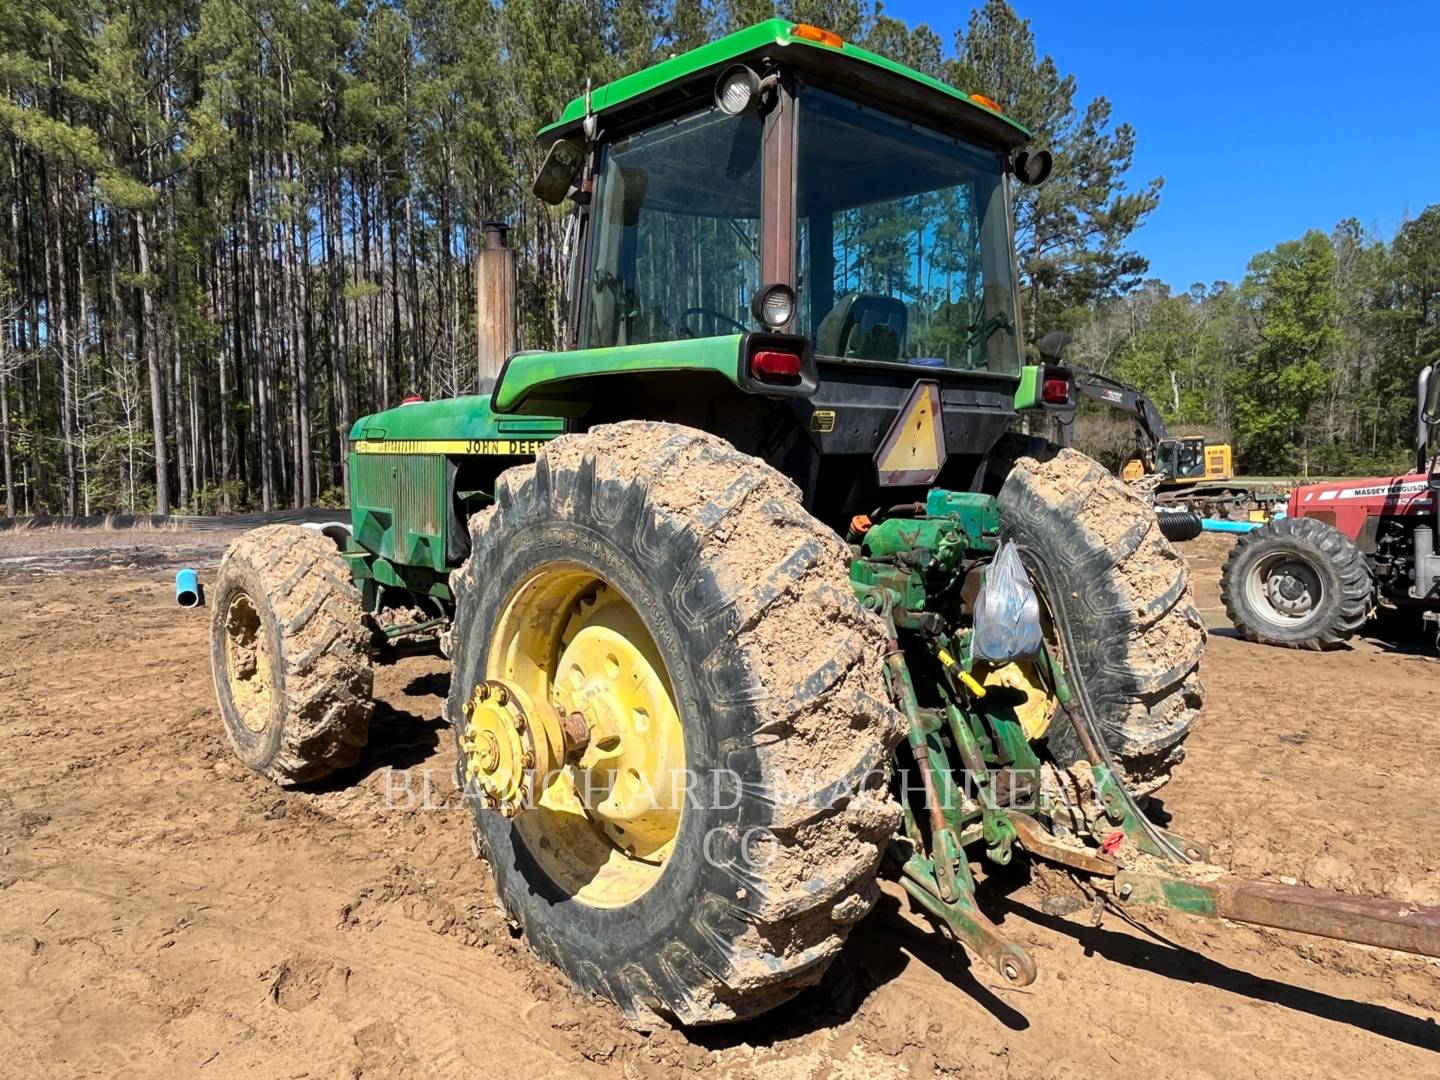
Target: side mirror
x=1053 y=344
x=1430 y=407
x=558 y=171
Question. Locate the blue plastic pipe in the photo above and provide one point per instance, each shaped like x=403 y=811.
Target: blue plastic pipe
x=187 y=588
x=1217 y=525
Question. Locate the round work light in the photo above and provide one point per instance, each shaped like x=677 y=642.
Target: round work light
x=773 y=306
x=737 y=91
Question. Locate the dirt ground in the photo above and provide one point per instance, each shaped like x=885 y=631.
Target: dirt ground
x=165 y=912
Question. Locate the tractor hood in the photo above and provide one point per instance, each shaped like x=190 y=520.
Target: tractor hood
x=459 y=425
x=1385 y=495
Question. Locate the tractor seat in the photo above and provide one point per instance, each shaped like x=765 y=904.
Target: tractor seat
x=863 y=326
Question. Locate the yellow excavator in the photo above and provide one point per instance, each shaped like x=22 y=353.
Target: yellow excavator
x=1187 y=459
x=1187 y=470
x=1177 y=461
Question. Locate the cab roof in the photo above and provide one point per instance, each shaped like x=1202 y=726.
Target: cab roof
x=797 y=45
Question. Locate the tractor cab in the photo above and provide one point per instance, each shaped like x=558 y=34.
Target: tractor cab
x=785 y=181
x=792 y=231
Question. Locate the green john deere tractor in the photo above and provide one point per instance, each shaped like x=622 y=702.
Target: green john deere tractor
x=708 y=576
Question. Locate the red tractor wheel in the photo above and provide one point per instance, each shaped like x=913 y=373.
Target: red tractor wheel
x=1298 y=583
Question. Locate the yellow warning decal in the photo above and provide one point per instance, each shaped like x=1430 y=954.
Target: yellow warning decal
x=914 y=449
x=499 y=447
x=822 y=420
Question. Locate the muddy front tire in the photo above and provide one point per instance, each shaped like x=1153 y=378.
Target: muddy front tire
x=704 y=558
x=290 y=655
x=1119 y=597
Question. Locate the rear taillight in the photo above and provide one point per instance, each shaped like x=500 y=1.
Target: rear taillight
x=1055 y=391
x=775 y=366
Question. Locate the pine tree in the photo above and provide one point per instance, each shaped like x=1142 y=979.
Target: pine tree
x=1071 y=232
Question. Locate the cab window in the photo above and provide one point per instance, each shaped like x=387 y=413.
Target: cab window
x=904 y=242
x=675 y=247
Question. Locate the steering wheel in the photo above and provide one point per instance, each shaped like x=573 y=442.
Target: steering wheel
x=980 y=331
x=979 y=334
x=714 y=317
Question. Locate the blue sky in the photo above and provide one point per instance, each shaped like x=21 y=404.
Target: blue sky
x=1266 y=119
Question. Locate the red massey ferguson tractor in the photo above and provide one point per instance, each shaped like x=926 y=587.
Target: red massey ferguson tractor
x=1346 y=551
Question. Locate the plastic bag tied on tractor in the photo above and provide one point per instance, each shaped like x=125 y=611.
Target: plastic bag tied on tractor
x=1007 y=612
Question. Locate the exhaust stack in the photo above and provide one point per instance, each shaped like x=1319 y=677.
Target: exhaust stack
x=494 y=303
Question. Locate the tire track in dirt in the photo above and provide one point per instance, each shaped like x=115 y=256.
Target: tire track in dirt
x=164 y=912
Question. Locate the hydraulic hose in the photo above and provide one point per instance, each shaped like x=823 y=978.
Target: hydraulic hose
x=1081 y=716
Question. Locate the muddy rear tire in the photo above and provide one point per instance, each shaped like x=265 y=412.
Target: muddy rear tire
x=1298 y=583
x=289 y=653
x=1119 y=597
x=775 y=672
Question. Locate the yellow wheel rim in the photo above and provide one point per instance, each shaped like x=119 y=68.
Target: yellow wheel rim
x=248 y=665
x=602 y=821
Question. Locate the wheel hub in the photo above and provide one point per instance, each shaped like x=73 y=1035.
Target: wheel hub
x=598 y=805
x=1290 y=589
x=510 y=745
x=1289 y=592
x=626 y=771
x=487 y=753
x=1285 y=589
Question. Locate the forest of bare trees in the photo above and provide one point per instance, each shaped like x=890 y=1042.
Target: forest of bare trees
x=233 y=227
